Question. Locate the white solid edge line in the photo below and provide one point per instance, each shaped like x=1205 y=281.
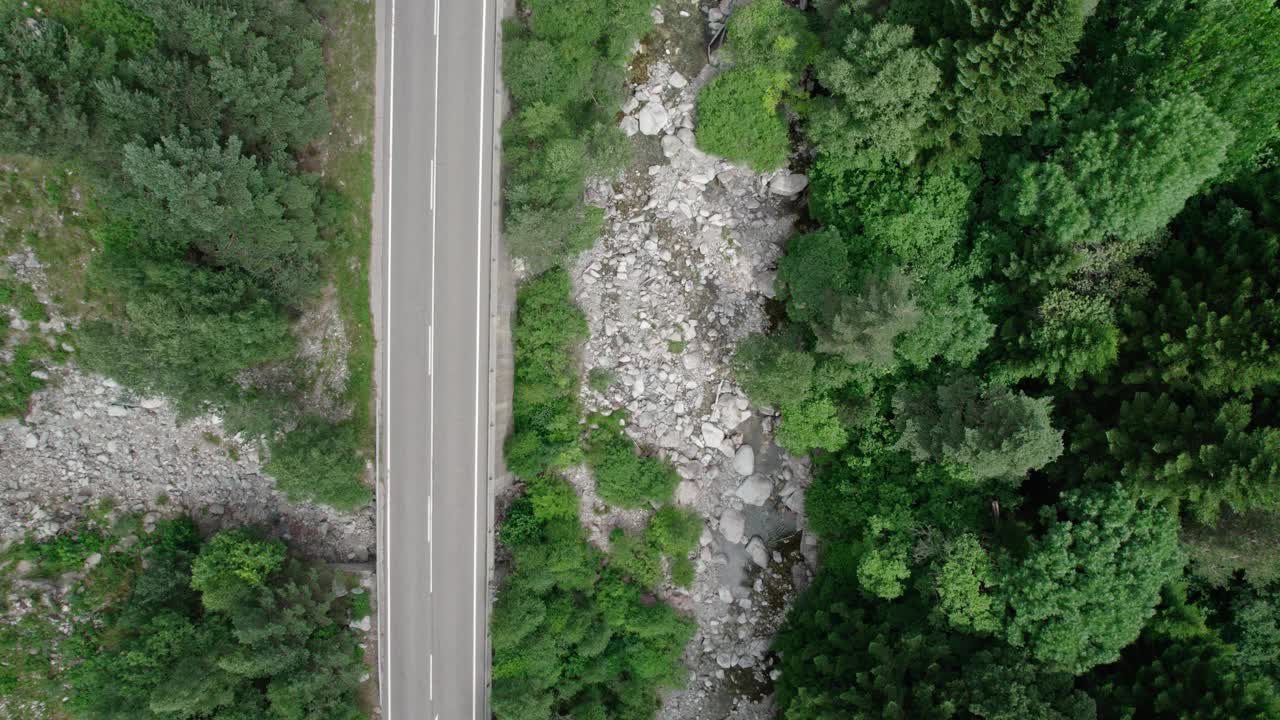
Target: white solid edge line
x=385 y=602
x=431 y=323
x=480 y=209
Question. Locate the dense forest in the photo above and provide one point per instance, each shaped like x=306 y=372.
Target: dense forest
x=1029 y=339
x=191 y=121
x=160 y=624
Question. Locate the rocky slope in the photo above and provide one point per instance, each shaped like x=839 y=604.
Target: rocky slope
x=86 y=438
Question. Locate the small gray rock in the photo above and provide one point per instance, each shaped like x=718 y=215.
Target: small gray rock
x=116 y=411
x=712 y=435
x=732 y=525
x=744 y=461
x=757 y=551
x=687 y=493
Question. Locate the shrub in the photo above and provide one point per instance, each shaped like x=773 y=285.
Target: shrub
x=738 y=119
x=319 y=461
x=545 y=410
x=623 y=477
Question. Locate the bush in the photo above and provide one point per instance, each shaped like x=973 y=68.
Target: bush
x=623 y=477
x=319 y=461
x=739 y=120
x=573 y=636
x=545 y=410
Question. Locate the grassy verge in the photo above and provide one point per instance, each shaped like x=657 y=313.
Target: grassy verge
x=43 y=208
x=344 y=158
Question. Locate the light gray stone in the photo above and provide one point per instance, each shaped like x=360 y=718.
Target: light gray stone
x=687 y=492
x=757 y=551
x=755 y=490
x=653 y=118
x=788 y=184
x=732 y=525
x=116 y=411
x=744 y=461
x=677 y=80
x=712 y=435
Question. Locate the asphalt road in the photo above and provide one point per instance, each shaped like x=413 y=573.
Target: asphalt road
x=436 y=164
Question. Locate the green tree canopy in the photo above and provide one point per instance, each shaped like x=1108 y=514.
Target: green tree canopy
x=1092 y=579
x=994 y=433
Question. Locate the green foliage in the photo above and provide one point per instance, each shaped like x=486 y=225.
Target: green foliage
x=1213 y=323
x=1092 y=579
x=739 y=113
x=1121 y=176
x=545 y=410
x=17 y=384
x=993 y=433
x=601 y=379
x=1180 y=668
x=882 y=86
x=844 y=657
x=739 y=119
x=189 y=328
x=811 y=425
x=319 y=461
x=572 y=634
x=65 y=552
x=1074 y=336
x=1221 y=50
x=133 y=32
x=1029 y=214
x=1208 y=455
x=24 y=300
x=234 y=210
x=563 y=64
x=1240 y=542
x=266 y=642
x=771 y=371
x=47 y=83
x=966 y=577
x=193 y=119
x=1254 y=629
x=675 y=531
x=623 y=477
x=232 y=566
x=771 y=34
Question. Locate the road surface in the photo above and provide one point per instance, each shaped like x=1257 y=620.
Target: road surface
x=435 y=190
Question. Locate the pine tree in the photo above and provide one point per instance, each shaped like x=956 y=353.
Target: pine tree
x=1091 y=581
x=1213 y=326
x=994 y=433
x=1202 y=453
